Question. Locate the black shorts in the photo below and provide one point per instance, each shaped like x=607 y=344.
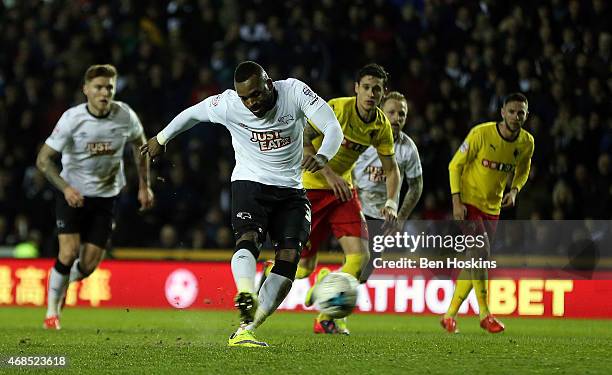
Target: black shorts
x=282 y=212
x=93 y=221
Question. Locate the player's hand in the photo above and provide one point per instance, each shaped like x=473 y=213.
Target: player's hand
x=389 y=228
x=509 y=199
x=153 y=148
x=340 y=187
x=313 y=163
x=390 y=215
x=73 y=197
x=146 y=198
x=459 y=211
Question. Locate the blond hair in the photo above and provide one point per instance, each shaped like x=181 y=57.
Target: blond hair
x=101 y=70
x=395 y=95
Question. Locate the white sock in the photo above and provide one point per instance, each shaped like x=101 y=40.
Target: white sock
x=75 y=272
x=58 y=284
x=244 y=268
x=271 y=295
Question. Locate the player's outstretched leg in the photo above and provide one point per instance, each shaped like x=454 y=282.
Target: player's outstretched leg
x=462 y=289
x=480 y=282
x=322 y=323
x=278 y=283
x=244 y=270
x=301 y=273
x=306 y=266
x=356 y=259
x=487 y=321
x=267 y=268
x=273 y=291
x=58 y=283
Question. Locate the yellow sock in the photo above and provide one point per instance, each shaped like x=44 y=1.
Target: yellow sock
x=323 y=317
x=481 y=287
x=464 y=285
x=353 y=265
x=268 y=269
x=303 y=272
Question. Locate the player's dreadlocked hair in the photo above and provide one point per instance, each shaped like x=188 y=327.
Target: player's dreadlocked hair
x=246 y=70
x=373 y=70
x=516 y=97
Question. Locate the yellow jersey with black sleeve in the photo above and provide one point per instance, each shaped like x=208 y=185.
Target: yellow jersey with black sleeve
x=480 y=168
x=358 y=136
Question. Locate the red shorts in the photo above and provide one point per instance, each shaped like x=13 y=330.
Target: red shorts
x=478 y=222
x=330 y=215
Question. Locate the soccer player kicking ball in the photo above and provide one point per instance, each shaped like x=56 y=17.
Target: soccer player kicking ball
x=491 y=153
x=266 y=120
x=335 y=206
x=91 y=138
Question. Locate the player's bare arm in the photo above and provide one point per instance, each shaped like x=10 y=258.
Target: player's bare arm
x=310 y=134
x=45 y=162
x=391 y=170
x=145 y=194
x=340 y=187
x=153 y=148
x=415 y=189
x=459 y=209
x=518 y=180
x=311 y=162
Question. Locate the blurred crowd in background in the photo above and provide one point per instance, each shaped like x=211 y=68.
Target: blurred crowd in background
x=453 y=60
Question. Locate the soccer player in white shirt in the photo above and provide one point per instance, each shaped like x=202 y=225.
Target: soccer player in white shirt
x=90 y=138
x=266 y=120
x=369 y=175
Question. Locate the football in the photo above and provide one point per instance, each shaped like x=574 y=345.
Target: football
x=336 y=294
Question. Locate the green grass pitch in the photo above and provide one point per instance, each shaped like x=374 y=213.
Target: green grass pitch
x=185 y=342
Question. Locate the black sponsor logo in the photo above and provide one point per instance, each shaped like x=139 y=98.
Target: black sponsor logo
x=308 y=92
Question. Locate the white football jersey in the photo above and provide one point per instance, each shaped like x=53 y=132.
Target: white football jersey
x=370 y=178
x=268 y=150
x=92 y=148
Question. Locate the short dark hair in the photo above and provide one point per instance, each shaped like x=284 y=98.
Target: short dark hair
x=102 y=70
x=515 y=97
x=373 y=70
x=246 y=70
